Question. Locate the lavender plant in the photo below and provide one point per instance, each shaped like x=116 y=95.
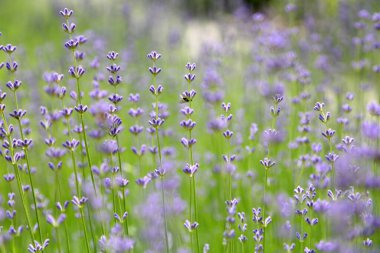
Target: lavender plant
x=292 y=167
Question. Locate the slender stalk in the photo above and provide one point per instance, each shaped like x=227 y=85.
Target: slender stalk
x=84 y=229
x=75 y=173
x=264 y=204
x=160 y=166
x=18 y=180
x=87 y=152
x=164 y=210
x=29 y=170
x=67 y=238
x=58 y=241
x=121 y=174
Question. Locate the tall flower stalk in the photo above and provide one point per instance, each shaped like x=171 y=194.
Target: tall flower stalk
x=114 y=80
x=331 y=157
x=191 y=167
x=23 y=142
x=156 y=122
x=76 y=71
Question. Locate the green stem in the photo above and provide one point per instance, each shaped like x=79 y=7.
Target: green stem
x=84 y=229
x=161 y=177
x=67 y=238
x=75 y=173
x=18 y=179
x=123 y=191
x=58 y=242
x=29 y=171
x=87 y=152
x=164 y=213
x=195 y=212
x=264 y=204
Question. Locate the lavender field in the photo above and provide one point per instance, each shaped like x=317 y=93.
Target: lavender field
x=190 y=126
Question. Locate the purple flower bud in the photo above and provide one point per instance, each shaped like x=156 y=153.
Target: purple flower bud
x=135 y=112
x=154 y=70
x=9 y=177
x=277 y=99
x=187 y=111
x=11 y=67
x=331 y=157
x=112 y=55
x=81 y=108
x=368 y=243
x=328 y=134
x=143 y=181
x=190 y=66
x=71 y=145
x=71 y=44
x=267 y=163
x=154 y=56
x=191 y=169
x=114 y=68
x=115 y=98
x=228 y=134
x=191 y=226
x=76 y=71
x=66 y=13
x=2 y=96
x=114 y=81
x=79 y=56
x=226 y=107
x=79 y=202
x=188 y=124
x=9 y=48
x=134 y=98
x=156 y=122
x=68 y=28
x=18 y=114
x=319 y=107
x=187 y=96
x=13 y=86
x=160 y=171
x=189 y=77
x=188 y=143
x=81 y=39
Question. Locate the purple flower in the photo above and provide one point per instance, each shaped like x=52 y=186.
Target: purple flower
x=191 y=226
x=191 y=169
x=329 y=133
x=112 y=55
x=66 y=13
x=76 y=71
x=9 y=48
x=68 y=28
x=154 y=56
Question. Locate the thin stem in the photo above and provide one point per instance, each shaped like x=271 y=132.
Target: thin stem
x=58 y=242
x=190 y=209
x=164 y=213
x=264 y=204
x=29 y=171
x=161 y=177
x=84 y=229
x=87 y=152
x=75 y=173
x=123 y=191
x=195 y=213
x=67 y=238
x=33 y=193
x=18 y=179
